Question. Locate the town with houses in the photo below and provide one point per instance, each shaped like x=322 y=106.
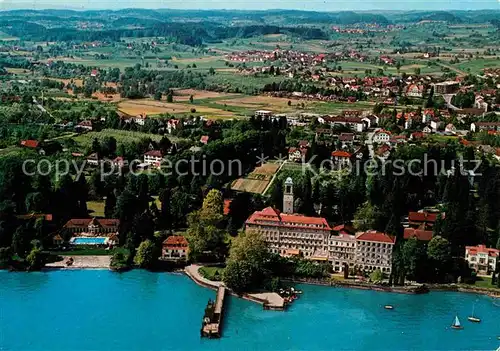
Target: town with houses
x=266 y=155
x=278 y=107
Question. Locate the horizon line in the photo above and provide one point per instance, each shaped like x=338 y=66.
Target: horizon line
x=78 y=9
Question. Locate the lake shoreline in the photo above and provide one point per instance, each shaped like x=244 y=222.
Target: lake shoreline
x=102 y=263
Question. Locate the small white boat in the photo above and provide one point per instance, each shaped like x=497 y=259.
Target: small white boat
x=472 y=318
x=456 y=324
x=389 y=307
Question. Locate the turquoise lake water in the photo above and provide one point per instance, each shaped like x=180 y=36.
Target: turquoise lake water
x=101 y=310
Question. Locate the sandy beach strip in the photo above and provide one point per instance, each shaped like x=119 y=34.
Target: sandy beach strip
x=82 y=262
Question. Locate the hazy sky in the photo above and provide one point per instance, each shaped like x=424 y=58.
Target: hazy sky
x=325 y=5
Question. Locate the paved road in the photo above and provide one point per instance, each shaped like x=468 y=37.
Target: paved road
x=447 y=98
x=369 y=142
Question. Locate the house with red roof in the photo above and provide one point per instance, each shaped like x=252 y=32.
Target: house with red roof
x=419 y=234
x=296 y=154
x=417 y=136
x=153 y=158
x=175 y=248
x=31 y=144
x=422 y=220
x=482 y=259
x=84 y=126
x=384 y=151
x=381 y=136
x=341 y=159
x=347 y=138
x=204 y=139
x=374 y=251
x=172 y=124
x=415 y=90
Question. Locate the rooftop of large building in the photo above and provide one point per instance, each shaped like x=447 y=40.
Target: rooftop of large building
x=272 y=216
x=374 y=236
x=474 y=250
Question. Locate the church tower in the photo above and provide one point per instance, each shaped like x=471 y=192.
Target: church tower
x=288 y=196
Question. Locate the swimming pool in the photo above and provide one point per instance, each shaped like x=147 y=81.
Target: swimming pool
x=89 y=241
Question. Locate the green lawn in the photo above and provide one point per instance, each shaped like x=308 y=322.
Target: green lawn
x=121 y=136
x=484 y=282
x=212 y=273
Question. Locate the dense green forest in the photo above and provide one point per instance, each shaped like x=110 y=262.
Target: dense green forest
x=205 y=26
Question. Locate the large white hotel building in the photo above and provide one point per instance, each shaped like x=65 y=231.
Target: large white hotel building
x=291 y=234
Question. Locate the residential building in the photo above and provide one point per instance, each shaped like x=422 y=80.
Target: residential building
x=346 y=139
x=57 y=240
x=435 y=124
x=420 y=234
x=374 y=251
x=415 y=90
x=153 y=158
x=84 y=126
x=140 y=119
x=422 y=220
x=479 y=103
x=204 y=139
x=263 y=113
x=382 y=136
x=444 y=88
x=30 y=144
x=93 y=159
x=92 y=226
x=427 y=130
x=296 y=154
x=484 y=126
x=450 y=128
x=172 y=124
x=482 y=259
x=354 y=123
x=341 y=159
x=175 y=248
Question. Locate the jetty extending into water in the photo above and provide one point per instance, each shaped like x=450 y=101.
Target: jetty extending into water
x=211 y=326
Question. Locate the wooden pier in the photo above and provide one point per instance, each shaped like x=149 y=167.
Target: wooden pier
x=211 y=326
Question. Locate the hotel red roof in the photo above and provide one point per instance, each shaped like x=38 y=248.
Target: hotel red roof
x=85 y=222
x=341 y=154
x=227 y=206
x=271 y=216
x=154 y=153
x=344 y=229
x=373 y=235
x=474 y=250
x=423 y=235
x=176 y=241
x=30 y=143
x=422 y=217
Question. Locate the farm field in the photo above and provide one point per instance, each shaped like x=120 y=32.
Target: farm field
x=262 y=102
x=257 y=181
x=152 y=107
x=184 y=94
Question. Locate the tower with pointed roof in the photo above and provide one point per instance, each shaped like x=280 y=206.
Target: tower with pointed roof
x=288 y=196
